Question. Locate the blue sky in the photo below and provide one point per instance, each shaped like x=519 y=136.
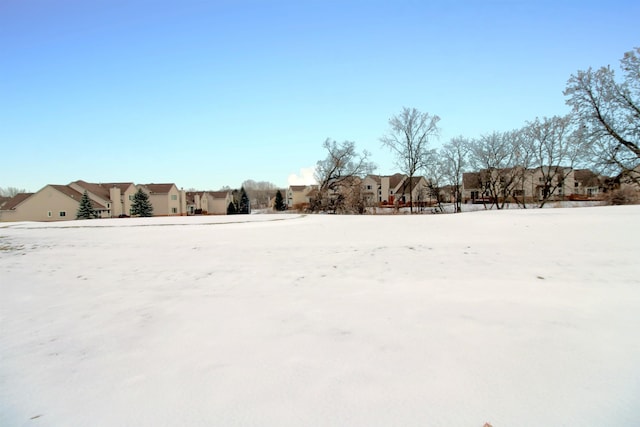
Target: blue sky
x=211 y=93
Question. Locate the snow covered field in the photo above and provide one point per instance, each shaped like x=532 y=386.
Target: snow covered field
x=517 y=318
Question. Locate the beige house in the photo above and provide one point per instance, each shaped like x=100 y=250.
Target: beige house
x=530 y=185
x=51 y=203
x=298 y=196
x=416 y=189
x=588 y=184
x=166 y=199
x=117 y=197
x=380 y=189
x=109 y=200
x=215 y=202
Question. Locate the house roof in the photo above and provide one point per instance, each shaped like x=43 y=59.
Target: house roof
x=12 y=202
x=587 y=178
x=123 y=186
x=3 y=200
x=75 y=195
x=96 y=189
x=102 y=190
x=159 y=188
x=414 y=183
x=396 y=179
x=471 y=180
x=219 y=194
x=375 y=178
x=313 y=193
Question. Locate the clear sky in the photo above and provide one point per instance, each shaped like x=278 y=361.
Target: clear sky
x=211 y=93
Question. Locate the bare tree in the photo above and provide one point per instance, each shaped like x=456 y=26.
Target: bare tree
x=494 y=155
x=524 y=153
x=408 y=138
x=434 y=186
x=260 y=193
x=341 y=169
x=453 y=158
x=557 y=147
x=609 y=112
x=11 y=191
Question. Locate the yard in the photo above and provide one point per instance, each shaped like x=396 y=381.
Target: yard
x=516 y=318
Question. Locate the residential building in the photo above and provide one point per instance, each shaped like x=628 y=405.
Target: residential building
x=299 y=197
x=396 y=188
x=531 y=185
x=166 y=199
x=117 y=197
x=215 y=202
x=51 y=203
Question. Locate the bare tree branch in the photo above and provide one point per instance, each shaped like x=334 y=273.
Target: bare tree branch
x=408 y=139
x=609 y=113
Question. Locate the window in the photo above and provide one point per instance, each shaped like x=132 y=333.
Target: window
x=174 y=197
x=368 y=187
x=49 y=214
x=62 y=213
x=131 y=197
x=108 y=205
x=575 y=184
x=174 y=210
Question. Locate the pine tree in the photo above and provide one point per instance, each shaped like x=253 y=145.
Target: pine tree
x=244 y=202
x=279 y=203
x=141 y=205
x=85 y=210
x=231 y=209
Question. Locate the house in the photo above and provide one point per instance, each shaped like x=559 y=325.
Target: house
x=109 y=200
x=215 y=202
x=472 y=187
x=298 y=196
x=166 y=199
x=117 y=197
x=380 y=189
x=531 y=185
x=482 y=186
x=51 y=203
x=372 y=190
x=9 y=207
x=415 y=189
x=588 y=185
x=192 y=201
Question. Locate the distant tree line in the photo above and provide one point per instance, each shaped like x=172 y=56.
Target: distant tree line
x=11 y=191
x=602 y=132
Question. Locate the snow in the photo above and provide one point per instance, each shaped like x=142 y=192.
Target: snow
x=517 y=318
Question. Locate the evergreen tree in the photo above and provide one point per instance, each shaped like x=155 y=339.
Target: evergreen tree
x=231 y=209
x=141 y=205
x=85 y=210
x=279 y=203
x=244 y=207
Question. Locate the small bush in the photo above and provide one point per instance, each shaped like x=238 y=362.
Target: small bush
x=624 y=196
